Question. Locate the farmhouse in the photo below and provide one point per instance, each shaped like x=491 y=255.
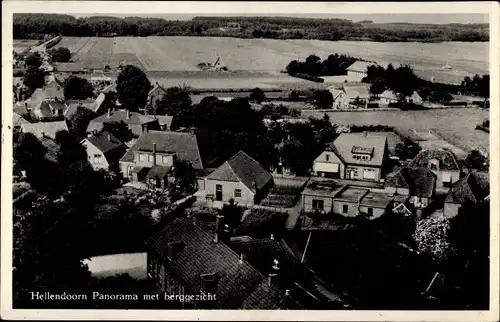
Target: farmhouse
x=44 y=129
x=350 y=97
x=473 y=187
x=357 y=156
x=155 y=152
x=48 y=109
x=443 y=163
x=51 y=91
x=104 y=150
x=357 y=71
x=389 y=97
x=136 y=122
x=185 y=259
x=419 y=184
x=240 y=178
x=98 y=106
x=155 y=95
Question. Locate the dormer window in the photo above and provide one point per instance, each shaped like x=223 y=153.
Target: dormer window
x=327 y=157
x=209 y=282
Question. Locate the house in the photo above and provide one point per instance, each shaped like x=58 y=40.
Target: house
x=337 y=197
x=18 y=120
x=49 y=109
x=474 y=187
x=155 y=152
x=99 y=106
x=350 y=97
x=51 y=91
x=184 y=259
x=240 y=178
x=357 y=71
x=44 y=129
x=70 y=68
x=443 y=163
x=419 y=184
x=165 y=121
x=155 y=95
x=356 y=156
x=104 y=150
x=388 y=97
x=136 y=122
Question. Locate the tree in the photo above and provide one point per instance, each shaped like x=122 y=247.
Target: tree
x=293 y=67
x=323 y=99
x=132 y=88
x=232 y=214
x=433 y=237
x=77 y=88
x=27 y=152
x=119 y=129
x=33 y=60
x=257 y=95
x=483 y=87
x=295 y=157
x=34 y=78
x=407 y=149
x=175 y=100
x=60 y=55
x=70 y=151
x=377 y=87
x=79 y=121
x=404 y=83
x=476 y=160
x=185 y=177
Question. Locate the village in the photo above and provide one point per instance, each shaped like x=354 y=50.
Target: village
x=258 y=196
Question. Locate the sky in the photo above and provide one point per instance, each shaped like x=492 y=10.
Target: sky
x=376 y=18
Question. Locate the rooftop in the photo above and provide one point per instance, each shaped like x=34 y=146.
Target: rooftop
x=351 y=194
x=447 y=159
x=346 y=143
x=376 y=199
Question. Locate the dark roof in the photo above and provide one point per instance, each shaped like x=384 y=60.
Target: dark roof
x=447 y=159
x=473 y=187
x=184 y=144
x=420 y=181
x=48 y=128
x=44 y=108
x=158 y=171
x=52 y=148
x=112 y=148
x=239 y=284
x=242 y=168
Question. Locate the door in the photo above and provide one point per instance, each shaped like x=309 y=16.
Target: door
x=218 y=192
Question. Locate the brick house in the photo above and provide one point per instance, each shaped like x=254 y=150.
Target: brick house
x=185 y=259
x=154 y=153
x=355 y=156
x=240 y=178
x=104 y=150
x=473 y=187
x=443 y=163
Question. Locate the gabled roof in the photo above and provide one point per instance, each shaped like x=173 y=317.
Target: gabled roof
x=239 y=285
x=73 y=107
x=242 y=168
x=164 y=119
x=474 y=187
x=105 y=141
x=360 y=66
x=53 y=89
x=184 y=144
x=121 y=115
x=18 y=120
x=447 y=159
x=420 y=181
x=44 y=108
x=48 y=128
x=357 y=91
x=157 y=87
x=344 y=144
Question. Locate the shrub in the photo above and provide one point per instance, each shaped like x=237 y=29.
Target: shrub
x=309 y=77
x=372 y=105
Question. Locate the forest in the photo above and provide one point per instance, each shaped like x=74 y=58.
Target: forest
x=36 y=26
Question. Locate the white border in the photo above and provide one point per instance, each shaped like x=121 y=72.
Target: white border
x=83 y=7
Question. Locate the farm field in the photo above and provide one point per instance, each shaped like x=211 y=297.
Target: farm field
x=157 y=53
x=456 y=125
x=21 y=45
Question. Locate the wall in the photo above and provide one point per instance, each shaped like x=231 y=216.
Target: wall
x=123 y=168
x=359 y=175
x=397 y=190
x=355 y=76
x=156 y=95
x=91 y=150
x=320 y=163
x=451 y=209
x=352 y=210
x=455 y=176
x=159 y=159
x=228 y=187
x=377 y=212
x=424 y=201
x=307 y=201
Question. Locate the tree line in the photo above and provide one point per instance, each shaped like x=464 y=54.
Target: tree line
x=31 y=26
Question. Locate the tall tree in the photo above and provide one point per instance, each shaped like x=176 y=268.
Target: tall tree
x=132 y=88
x=79 y=121
x=33 y=60
x=77 y=88
x=377 y=87
x=60 y=55
x=257 y=95
x=173 y=102
x=476 y=160
x=404 y=83
x=34 y=78
x=322 y=99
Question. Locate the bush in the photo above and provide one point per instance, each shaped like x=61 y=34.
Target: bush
x=310 y=78
x=372 y=105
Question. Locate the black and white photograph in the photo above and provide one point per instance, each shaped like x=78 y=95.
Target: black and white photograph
x=297 y=162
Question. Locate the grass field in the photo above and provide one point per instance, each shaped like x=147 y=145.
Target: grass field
x=456 y=125
x=21 y=45
x=270 y=55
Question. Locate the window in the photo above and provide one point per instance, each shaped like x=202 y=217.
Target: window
x=370 y=211
x=165 y=160
x=345 y=209
x=237 y=193
x=151 y=158
x=97 y=158
x=369 y=174
x=142 y=157
x=433 y=166
x=129 y=171
x=318 y=204
x=327 y=157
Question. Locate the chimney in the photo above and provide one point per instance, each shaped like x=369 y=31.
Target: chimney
x=254 y=185
x=272 y=237
x=128 y=114
x=43 y=134
x=287 y=292
x=241 y=258
x=109 y=113
x=217 y=227
x=154 y=154
x=274 y=273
